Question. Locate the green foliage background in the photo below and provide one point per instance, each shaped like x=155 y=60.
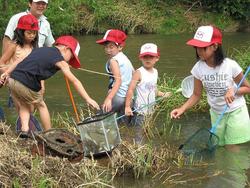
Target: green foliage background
x=134 y=16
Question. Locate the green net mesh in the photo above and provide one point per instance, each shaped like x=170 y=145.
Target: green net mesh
x=99 y=134
x=201 y=141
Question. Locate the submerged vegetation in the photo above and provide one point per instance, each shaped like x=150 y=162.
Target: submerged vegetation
x=19 y=168
x=136 y=16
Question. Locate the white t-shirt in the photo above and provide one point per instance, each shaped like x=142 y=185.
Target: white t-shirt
x=146 y=90
x=216 y=81
x=45 y=35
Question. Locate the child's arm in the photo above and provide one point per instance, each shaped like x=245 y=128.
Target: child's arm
x=6 y=56
x=43 y=87
x=244 y=89
x=194 y=99
x=9 y=52
x=162 y=94
x=135 y=79
x=114 y=66
x=76 y=83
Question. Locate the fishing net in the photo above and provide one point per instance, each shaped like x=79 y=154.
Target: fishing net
x=187 y=86
x=202 y=141
x=99 y=133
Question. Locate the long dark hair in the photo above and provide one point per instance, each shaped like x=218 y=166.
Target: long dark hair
x=19 y=38
x=219 y=55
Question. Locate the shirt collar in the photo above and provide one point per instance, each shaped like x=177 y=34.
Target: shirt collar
x=41 y=18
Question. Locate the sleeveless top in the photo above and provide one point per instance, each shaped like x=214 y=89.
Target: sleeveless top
x=126 y=71
x=146 y=90
x=20 y=54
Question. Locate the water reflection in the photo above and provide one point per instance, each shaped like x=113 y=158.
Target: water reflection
x=233 y=166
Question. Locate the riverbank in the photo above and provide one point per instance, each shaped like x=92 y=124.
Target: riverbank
x=146 y=16
x=163 y=164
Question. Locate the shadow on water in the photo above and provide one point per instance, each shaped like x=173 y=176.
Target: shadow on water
x=176 y=60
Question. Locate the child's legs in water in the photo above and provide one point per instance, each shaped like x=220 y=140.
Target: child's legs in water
x=118 y=105
x=44 y=115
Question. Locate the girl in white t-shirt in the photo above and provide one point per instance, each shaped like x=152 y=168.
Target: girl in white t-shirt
x=219 y=77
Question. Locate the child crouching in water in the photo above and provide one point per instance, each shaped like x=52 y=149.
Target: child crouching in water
x=144 y=81
x=120 y=69
x=24 y=79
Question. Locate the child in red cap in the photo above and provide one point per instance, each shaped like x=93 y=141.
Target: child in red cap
x=24 y=78
x=25 y=39
x=120 y=69
x=219 y=76
x=144 y=81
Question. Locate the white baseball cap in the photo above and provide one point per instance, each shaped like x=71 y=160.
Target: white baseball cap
x=45 y=1
x=206 y=36
x=149 y=49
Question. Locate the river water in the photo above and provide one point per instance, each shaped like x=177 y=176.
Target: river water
x=176 y=60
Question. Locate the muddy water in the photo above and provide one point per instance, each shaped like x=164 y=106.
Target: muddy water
x=176 y=60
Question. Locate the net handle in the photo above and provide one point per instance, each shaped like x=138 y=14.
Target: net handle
x=72 y=99
x=214 y=127
x=185 y=81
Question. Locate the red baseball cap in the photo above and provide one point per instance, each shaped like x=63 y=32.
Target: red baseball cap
x=206 y=36
x=113 y=35
x=73 y=44
x=149 y=49
x=28 y=22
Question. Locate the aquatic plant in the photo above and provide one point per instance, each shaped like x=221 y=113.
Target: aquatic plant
x=242 y=56
x=172 y=84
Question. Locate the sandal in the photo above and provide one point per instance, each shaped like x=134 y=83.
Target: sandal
x=24 y=134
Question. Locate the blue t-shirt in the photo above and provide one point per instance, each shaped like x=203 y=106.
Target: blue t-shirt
x=38 y=65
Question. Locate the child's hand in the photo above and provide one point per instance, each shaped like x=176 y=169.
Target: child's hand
x=229 y=97
x=4 y=76
x=107 y=105
x=176 y=113
x=93 y=104
x=3 y=79
x=167 y=94
x=128 y=111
